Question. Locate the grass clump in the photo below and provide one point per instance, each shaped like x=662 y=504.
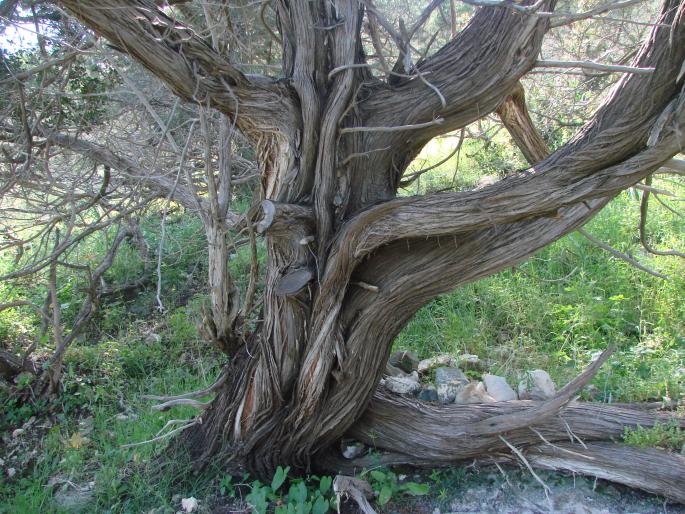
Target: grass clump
x=666 y=436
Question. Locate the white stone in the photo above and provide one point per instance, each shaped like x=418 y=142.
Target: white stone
x=469 y=360
x=435 y=362
x=403 y=385
x=17 y=433
x=352 y=451
x=536 y=385
x=498 y=388
x=189 y=504
x=473 y=392
x=447 y=392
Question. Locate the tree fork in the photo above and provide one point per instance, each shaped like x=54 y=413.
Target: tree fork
x=308 y=373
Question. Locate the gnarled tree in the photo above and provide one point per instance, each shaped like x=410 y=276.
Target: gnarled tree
x=349 y=262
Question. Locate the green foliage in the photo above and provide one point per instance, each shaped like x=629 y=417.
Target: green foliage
x=667 y=436
x=559 y=308
x=387 y=484
x=311 y=496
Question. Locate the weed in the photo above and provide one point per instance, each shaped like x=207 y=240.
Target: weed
x=665 y=436
x=387 y=484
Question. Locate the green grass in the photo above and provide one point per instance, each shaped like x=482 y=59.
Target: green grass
x=665 y=436
x=556 y=312
x=102 y=382
x=558 y=309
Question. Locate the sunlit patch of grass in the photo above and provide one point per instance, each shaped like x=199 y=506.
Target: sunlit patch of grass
x=570 y=301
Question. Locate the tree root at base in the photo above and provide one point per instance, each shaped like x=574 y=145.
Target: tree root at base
x=579 y=439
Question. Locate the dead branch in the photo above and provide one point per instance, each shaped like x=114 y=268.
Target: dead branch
x=589 y=65
x=623 y=256
x=162 y=407
x=644 y=209
x=399 y=128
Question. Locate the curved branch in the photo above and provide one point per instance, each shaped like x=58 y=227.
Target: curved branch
x=441 y=432
x=600 y=161
x=191 y=68
x=514 y=115
x=472 y=73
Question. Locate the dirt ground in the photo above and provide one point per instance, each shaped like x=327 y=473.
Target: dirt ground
x=489 y=491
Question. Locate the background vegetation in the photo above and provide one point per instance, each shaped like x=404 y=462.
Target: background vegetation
x=555 y=312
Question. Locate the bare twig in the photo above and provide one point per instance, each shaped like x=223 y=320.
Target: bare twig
x=589 y=65
x=523 y=459
x=179 y=402
x=195 y=394
x=644 y=209
x=625 y=257
x=196 y=421
x=399 y=128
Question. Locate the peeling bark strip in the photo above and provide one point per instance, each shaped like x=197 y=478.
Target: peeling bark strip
x=349 y=263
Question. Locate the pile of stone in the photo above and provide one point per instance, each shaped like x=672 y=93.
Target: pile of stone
x=406 y=375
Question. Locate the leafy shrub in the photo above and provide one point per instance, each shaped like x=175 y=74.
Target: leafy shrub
x=665 y=436
x=311 y=496
x=387 y=484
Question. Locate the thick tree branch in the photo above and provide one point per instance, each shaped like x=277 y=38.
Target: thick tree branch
x=514 y=115
x=472 y=72
x=601 y=160
x=443 y=434
x=191 y=68
x=462 y=82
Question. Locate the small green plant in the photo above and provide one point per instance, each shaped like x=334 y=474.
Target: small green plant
x=311 y=496
x=387 y=484
x=226 y=487
x=665 y=436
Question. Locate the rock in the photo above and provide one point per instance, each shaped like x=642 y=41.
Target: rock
x=153 y=338
x=428 y=394
x=469 y=361
x=353 y=450
x=487 y=180
x=498 y=388
x=403 y=385
x=17 y=433
x=189 y=504
x=448 y=382
x=393 y=371
x=406 y=361
x=449 y=376
x=473 y=392
x=448 y=392
x=73 y=500
x=11 y=472
x=435 y=362
x=537 y=385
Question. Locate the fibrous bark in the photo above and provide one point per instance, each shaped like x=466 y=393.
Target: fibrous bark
x=332 y=143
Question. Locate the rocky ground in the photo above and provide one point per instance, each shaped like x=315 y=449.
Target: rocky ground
x=516 y=491
x=444 y=379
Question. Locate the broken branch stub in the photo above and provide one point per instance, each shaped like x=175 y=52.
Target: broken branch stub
x=293 y=282
x=283 y=218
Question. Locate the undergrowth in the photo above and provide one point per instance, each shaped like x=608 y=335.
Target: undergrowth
x=555 y=311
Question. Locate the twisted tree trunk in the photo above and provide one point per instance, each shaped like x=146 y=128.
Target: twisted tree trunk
x=349 y=262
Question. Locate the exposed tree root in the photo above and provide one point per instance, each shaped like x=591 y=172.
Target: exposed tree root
x=577 y=439
x=648 y=469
